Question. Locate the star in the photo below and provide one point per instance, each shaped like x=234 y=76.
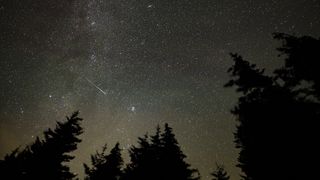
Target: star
x=130 y=65
x=132 y=108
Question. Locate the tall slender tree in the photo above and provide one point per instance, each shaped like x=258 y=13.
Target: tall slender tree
x=174 y=158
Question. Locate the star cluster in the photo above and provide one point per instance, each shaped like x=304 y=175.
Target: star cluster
x=129 y=65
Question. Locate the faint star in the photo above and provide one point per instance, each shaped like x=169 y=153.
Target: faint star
x=132 y=109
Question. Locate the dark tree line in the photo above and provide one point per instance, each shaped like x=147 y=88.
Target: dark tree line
x=276 y=133
x=157 y=157
x=278 y=113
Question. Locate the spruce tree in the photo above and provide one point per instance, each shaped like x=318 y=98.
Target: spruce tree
x=47 y=158
x=174 y=158
x=277 y=113
x=105 y=166
x=159 y=157
x=141 y=161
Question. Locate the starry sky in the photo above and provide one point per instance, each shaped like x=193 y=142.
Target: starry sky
x=129 y=65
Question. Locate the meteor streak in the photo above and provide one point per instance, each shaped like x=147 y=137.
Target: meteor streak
x=96 y=86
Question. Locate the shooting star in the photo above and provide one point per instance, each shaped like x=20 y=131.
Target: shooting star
x=96 y=86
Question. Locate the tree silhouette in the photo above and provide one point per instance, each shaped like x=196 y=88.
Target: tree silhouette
x=277 y=113
x=301 y=63
x=142 y=161
x=174 y=157
x=45 y=159
x=220 y=173
x=105 y=166
x=158 y=157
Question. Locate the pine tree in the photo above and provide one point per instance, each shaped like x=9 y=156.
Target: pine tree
x=220 y=173
x=141 y=156
x=45 y=159
x=277 y=114
x=159 y=157
x=105 y=166
x=174 y=158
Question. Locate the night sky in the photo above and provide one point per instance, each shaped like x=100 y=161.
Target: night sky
x=129 y=65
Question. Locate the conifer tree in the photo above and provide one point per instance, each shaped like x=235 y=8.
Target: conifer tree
x=47 y=158
x=277 y=113
x=105 y=166
x=159 y=157
x=174 y=158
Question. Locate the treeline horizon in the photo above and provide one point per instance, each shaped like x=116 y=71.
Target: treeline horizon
x=277 y=128
x=159 y=151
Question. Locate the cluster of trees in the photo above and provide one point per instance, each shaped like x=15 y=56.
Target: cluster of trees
x=276 y=133
x=278 y=113
x=157 y=157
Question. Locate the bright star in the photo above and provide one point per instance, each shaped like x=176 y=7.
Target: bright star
x=133 y=109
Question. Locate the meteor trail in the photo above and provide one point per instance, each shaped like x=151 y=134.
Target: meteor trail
x=96 y=86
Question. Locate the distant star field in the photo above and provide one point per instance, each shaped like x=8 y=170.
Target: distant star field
x=129 y=65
